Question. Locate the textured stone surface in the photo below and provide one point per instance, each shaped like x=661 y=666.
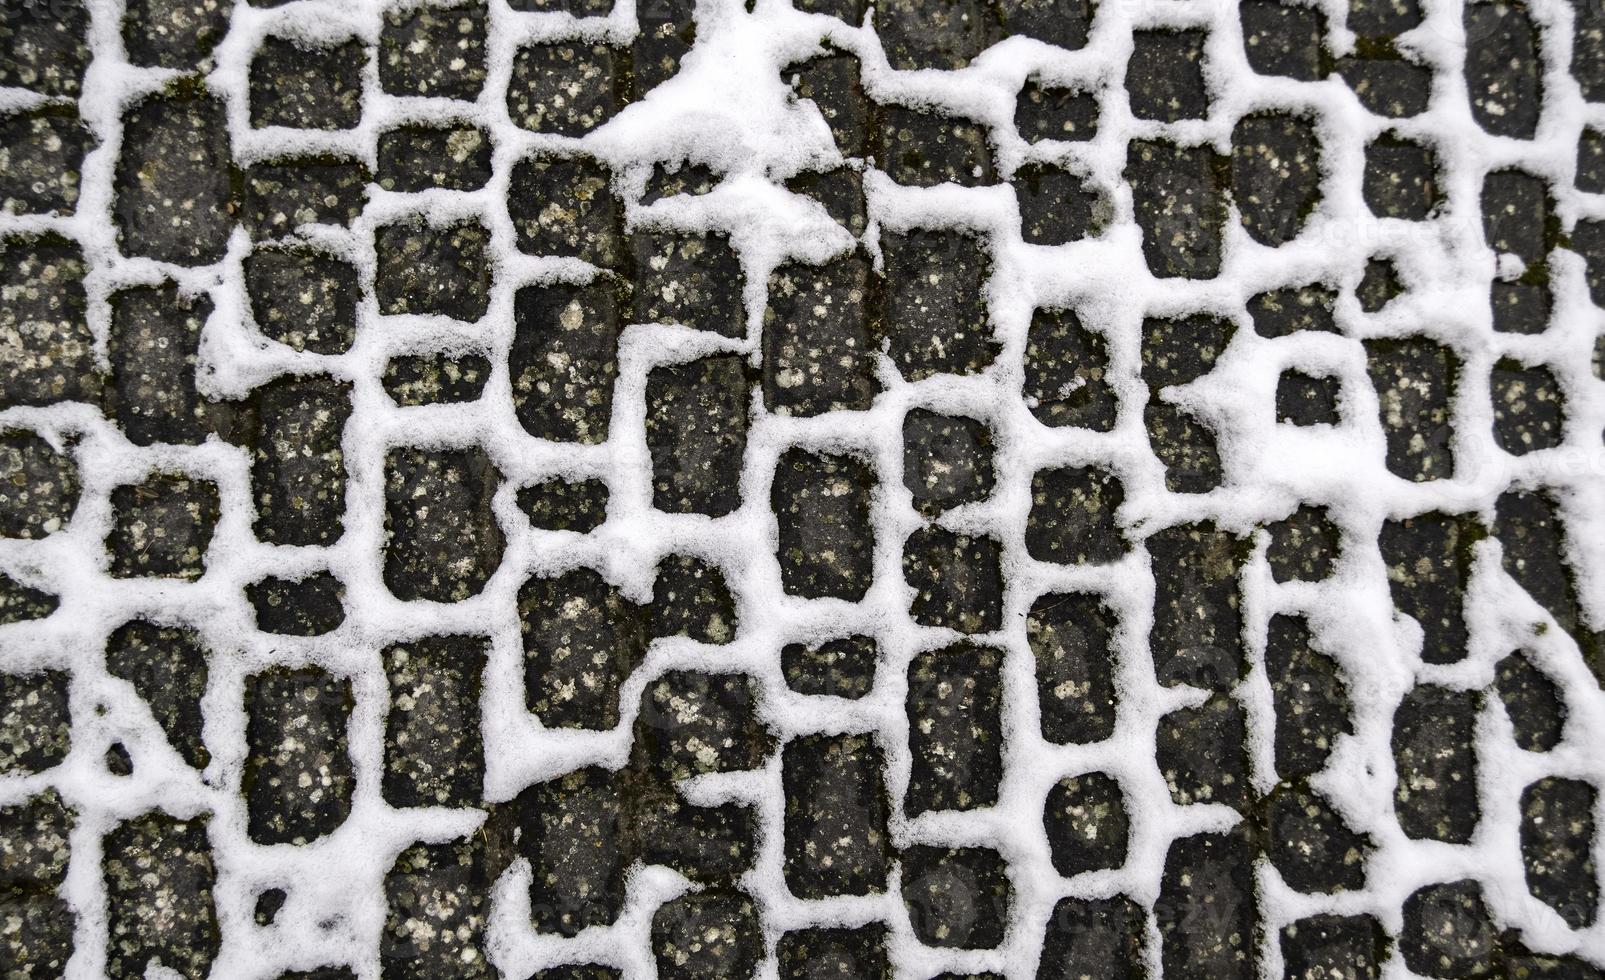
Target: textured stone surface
x=298 y=776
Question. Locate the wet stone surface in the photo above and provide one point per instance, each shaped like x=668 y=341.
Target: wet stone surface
x=1528 y=407
x=283 y=195
x=418 y=158
x=1202 y=753
x=1165 y=77
x=1414 y=380
x=162 y=527
x=441 y=270
x=565 y=88
x=153 y=348
x=1071 y=639
x=40 y=156
x=1044 y=112
x=1177 y=192
x=174 y=33
x=39 y=487
x=957 y=580
x=1429 y=566
x=924 y=148
x=582 y=638
x=1345 y=947
x=832 y=83
x=816 y=341
x=1206 y=908
x=1448 y=931
x=807 y=954
x=564 y=505
x=432 y=379
x=1557 y=836
x=35 y=720
x=690 y=598
x=310 y=606
x=21 y=603
x=563 y=360
x=696 y=431
x=298 y=476
x=1303 y=545
x=437 y=52
x=1085 y=817
x=947 y=460
x=1436 y=795
x=836 y=838
x=298 y=776
x=438 y=910
x=1185 y=445
x=302 y=298
x=1057 y=206
x=167 y=667
x=821 y=503
x=1281 y=312
x=1066 y=372
x=1311 y=845
x=433 y=755
x=1072 y=518
x=564 y=206
x=445 y=542
x=1197 y=633
x=1532 y=702
x=691 y=280
x=307 y=87
x=956 y=897
x=1285 y=40
x=1098 y=937
x=46 y=349
x=1309 y=696
x=47 y=47
x=933 y=309
x=843 y=667
x=955 y=729
x=159 y=879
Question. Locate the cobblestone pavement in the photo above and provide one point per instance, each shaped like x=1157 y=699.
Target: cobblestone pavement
x=954 y=488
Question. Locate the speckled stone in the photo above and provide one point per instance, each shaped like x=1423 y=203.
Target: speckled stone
x=1202 y=753
x=817 y=354
x=1588 y=52
x=40 y=156
x=1529 y=408
x=174 y=33
x=1282 y=312
x=564 y=206
x=711 y=845
x=1503 y=71
x=1401 y=178
x=159 y=881
x=444 y=540
x=1378 y=18
x=582 y=638
x=438 y=912
x=46 y=349
x=925 y=148
x=307 y=87
x=1186 y=447
x=1165 y=76
x=1047 y=112
x=298 y=474
x=436 y=52
x=309 y=606
x=954 y=708
x=1180 y=350
x=1528 y=526
x=1066 y=372
x=1520 y=307
x=46 y=45
x=1057 y=206
x=1380 y=284
x=162 y=527
x=572 y=832
x=37 y=938
x=1448 y=931
x=298 y=776
x=696 y=431
x=839 y=191
x=432 y=749
x=833 y=83
x=957 y=579
x=1180 y=204
x=1429 y=569
x=1062 y=23
x=1086 y=823
x=20 y=603
x=1308 y=399
x=825 y=953
x=1588 y=238
x=1415 y=379
x=1433 y=750
x=667 y=31
x=421 y=158
x=1517 y=215
x=690 y=598
x=440 y=270
x=303 y=298
x=933 y=310
x=677 y=177
x=567 y=88
x=1094 y=937
x=1071 y=636
x=1527 y=965
x=564 y=359
x=117 y=760
x=694 y=280
x=693 y=723
x=957 y=898
x=710 y=935
x=1385 y=81
x=435 y=379
x=576 y=971
x=1590 y=161
x=1310 y=844
x=947 y=460
x=167 y=667
x=153 y=348
x=1284 y=39
x=1308 y=695
x=822 y=504
x=1196 y=637
x=564 y=505
x=1276 y=175
x=1533 y=703
x=285 y=194
x=38 y=486
x=1557 y=836
x=1303 y=545
x=1334 y=947
x=34 y=842
x=1072 y=517
x=35 y=724
x=843 y=667
x=944 y=34
x=1206 y=908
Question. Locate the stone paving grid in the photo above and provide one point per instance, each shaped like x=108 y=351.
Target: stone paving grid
x=288 y=623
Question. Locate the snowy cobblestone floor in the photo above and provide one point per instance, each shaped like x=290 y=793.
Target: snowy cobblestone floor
x=581 y=489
